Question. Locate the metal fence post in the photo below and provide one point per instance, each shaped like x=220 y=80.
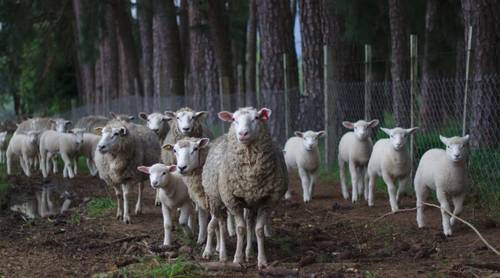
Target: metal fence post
x=330 y=111
x=466 y=89
x=285 y=95
x=413 y=91
x=368 y=80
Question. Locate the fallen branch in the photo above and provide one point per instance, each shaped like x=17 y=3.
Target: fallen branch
x=396 y=212
x=129 y=238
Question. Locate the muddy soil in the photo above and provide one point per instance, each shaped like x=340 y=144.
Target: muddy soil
x=328 y=237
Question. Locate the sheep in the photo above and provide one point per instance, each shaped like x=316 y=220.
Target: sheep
x=302 y=153
x=89 y=123
x=122 y=148
x=247 y=171
x=4 y=143
x=391 y=161
x=43 y=124
x=444 y=171
x=355 y=148
x=173 y=195
x=67 y=145
x=157 y=122
x=87 y=149
x=24 y=147
x=122 y=117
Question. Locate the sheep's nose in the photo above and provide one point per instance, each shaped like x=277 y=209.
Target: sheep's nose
x=243 y=133
x=101 y=147
x=185 y=128
x=154 y=183
x=155 y=130
x=182 y=168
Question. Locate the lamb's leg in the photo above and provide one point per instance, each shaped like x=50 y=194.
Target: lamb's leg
x=54 y=164
x=43 y=164
x=343 y=184
x=391 y=190
x=288 y=193
x=250 y=224
x=268 y=229
x=186 y=212
x=222 y=240
x=68 y=164
x=304 y=178
x=312 y=183
x=361 y=180
x=138 y=205
x=202 y=225
x=119 y=202
x=9 y=163
x=445 y=205
x=355 y=176
x=458 y=204
x=259 y=232
x=371 y=189
x=230 y=225
x=167 y=225
x=24 y=164
x=157 y=198
x=209 y=250
x=75 y=166
x=421 y=192
x=126 y=215
x=403 y=185
x=240 y=235
x=365 y=184
x=50 y=205
x=43 y=204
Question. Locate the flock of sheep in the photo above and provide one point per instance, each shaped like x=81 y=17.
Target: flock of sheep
x=232 y=183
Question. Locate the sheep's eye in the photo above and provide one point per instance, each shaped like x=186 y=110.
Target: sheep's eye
x=195 y=149
x=164 y=173
x=174 y=150
x=177 y=118
x=257 y=117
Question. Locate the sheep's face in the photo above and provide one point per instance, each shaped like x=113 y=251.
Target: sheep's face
x=61 y=125
x=159 y=174
x=456 y=147
x=121 y=117
x=110 y=138
x=79 y=135
x=185 y=119
x=3 y=137
x=361 y=128
x=155 y=121
x=187 y=154
x=310 y=138
x=247 y=122
x=398 y=136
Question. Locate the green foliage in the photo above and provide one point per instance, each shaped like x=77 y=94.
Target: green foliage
x=99 y=206
x=75 y=219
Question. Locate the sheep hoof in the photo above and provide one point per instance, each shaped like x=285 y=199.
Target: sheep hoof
x=200 y=241
x=138 y=211
x=206 y=254
x=261 y=264
x=238 y=260
x=126 y=220
x=158 y=203
x=222 y=258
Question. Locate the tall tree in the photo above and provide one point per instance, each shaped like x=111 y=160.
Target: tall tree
x=251 y=55
x=145 y=17
x=276 y=38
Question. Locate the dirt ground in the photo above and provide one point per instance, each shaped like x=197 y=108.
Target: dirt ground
x=326 y=238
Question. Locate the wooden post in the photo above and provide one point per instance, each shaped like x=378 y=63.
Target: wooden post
x=330 y=111
x=466 y=89
x=368 y=80
x=413 y=91
x=241 y=86
x=223 y=94
x=286 y=82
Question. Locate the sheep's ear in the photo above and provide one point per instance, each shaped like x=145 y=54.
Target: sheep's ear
x=373 y=123
x=320 y=133
x=68 y=123
x=466 y=138
x=203 y=142
x=113 y=115
x=131 y=118
x=386 y=131
x=143 y=169
x=122 y=131
x=411 y=130
x=225 y=116
x=201 y=114
x=348 y=125
x=98 y=131
x=168 y=147
x=166 y=118
x=143 y=116
x=172 y=168
x=170 y=114
x=443 y=139
x=299 y=134
x=265 y=114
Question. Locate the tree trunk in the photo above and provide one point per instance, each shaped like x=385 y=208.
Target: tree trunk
x=400 y=66
x=274 y=21
x=109 y=61
x=312 y=58
x=184 y=33
x=145 y=16
x=251 y=55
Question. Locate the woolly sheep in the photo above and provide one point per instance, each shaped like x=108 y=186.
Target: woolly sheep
x=89 y=123
x=43 y=124
x=391 y=161
x=173 y=195
x=157 y=122
x=4 y=143
x=67 y=145
x=122 y=148
x=355 y=148
x=87 y=150
x=121 y=117
x=444 y=171
x=249 y=172
x=24 y=147
x=302 y=154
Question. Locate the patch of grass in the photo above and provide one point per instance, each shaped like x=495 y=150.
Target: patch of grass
x=99 y=206
x=181 y=268
x=75 y=219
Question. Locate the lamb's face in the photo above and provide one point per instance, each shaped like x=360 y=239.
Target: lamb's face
x=247 y=122
x=456 y=147
x=398 y=136
x=187 y=154
x=310 y=138
x=159 y=174
x=61 y=125
x=185 y=120
x=154 y=121
x=110 y=138
x=79 y=135
x=361 y=128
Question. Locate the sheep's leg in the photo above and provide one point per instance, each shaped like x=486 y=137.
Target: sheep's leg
x=126 y=215
x=403 y=185
x=268 y=229
x=167 y=225
x=209 y=250
x=365 y=184
x=312 y=183
x=43 y=164
x=343 y=184
x=217 y=237
x=91 y=166
x=250 y=224
x=138 y=205
x=240 y=235
x=458 y=204
x=54 y=164
x=288 y=194
x=50 y=205
x=391 y=190
x=371 y=189
x=186 y=212
x=68 y=164
x=222 y=240
x=202 y=225
x=445 y=217
x=304 y=178
x=75 y=166
x=355 y=176
x=9 y=163
x=157 y=198
x=421 y=192
x=360 y=183
x=119 y=202
x=24 y=164
x=259 y=232
x=230 y=225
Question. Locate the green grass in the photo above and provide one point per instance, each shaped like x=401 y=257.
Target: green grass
x=75 y=219
x=99 y=206
x=149 y=267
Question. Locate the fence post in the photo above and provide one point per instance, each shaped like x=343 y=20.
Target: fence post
x=286 y=82
x=330 y=111
x=413 y=90
x=241 y=86
x=223 y=93
x=368 y=80
x=466 y=89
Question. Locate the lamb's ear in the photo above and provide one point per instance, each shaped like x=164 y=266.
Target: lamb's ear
x=466 y=138
x=411 y=130
x=299 y=134
x=348 y=125
x=172 y=168
x=201 y=114
x=113 y=115
x=203 y=142
x=225 y=116
x=386 y=130
x=98 y=131
x=123 y=131
x=170 y=114
x=320 y=133
x=168 y=147
x=265 y=114
x=143 y=169
x=373 y=123
x=143 y=116
x=443 y=139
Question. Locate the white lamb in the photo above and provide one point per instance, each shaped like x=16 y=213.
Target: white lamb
x=67 y=145
x=443 y=171
x=302 y=154
x=355 y=148
x=157 y=122
x=173 y=195
x=87 y=149
x=4 y=143
x=23 y=147
x=391 y=161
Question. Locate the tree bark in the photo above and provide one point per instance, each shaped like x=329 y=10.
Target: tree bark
x=184 y=33
x=400 y=66
x=109 y=61
x=145 y=16
x=274 y=23
x=251 y=55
